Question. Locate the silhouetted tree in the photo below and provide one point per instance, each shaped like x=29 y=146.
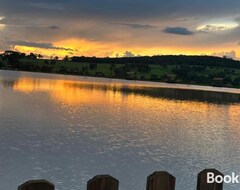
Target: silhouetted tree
x=39 y=56
x=66 y=58
x=31 y=56
x=12 y=59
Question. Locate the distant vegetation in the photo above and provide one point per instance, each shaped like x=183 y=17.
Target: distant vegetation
x=200 y=70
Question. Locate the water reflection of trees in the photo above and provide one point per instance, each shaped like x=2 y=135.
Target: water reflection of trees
x=155 y=92
x=168 y=93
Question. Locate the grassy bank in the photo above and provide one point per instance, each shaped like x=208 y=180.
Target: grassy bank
x=209 y=71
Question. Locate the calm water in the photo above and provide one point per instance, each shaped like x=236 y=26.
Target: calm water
x=69 y=129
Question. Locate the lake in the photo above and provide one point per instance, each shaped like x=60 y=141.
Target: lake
x=68 y=129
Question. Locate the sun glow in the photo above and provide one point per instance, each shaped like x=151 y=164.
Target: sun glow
x=70 y=92
x=75 y=93
x=218 y=25
x=81 y=47
x=75 y=46
x=1 y=25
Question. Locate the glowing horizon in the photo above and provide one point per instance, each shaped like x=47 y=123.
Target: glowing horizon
x=123 y=52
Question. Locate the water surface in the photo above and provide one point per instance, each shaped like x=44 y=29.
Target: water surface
x=69 y=129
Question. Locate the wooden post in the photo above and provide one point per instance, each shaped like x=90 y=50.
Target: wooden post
x=202 y=180
x=161 y=181
x=103 y=182
x=37 y=185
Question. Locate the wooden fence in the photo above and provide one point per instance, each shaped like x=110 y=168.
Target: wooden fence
x=157 y=181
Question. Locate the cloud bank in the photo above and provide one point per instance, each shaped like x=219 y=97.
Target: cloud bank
x=140 y=26
x=39 y=45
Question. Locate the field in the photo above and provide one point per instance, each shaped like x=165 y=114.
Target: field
x=172 y=72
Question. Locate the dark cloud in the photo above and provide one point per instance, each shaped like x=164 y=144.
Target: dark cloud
x=178 y=31
x=39 y=45
x=142 y=9
x=24 y=22
x=137 y=26
x=48 y=6
x=121 y=10
x=54 y=27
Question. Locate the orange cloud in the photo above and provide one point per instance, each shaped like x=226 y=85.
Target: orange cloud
x=82 y=47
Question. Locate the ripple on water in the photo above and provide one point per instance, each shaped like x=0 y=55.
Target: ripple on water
x=68 y=133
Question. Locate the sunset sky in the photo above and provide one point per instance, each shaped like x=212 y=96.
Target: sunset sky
x=121 y=28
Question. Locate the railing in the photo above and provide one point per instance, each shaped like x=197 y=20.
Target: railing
x=157 y=181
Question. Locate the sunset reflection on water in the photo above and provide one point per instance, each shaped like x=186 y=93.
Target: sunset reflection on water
x=72 y=92
x=68 y=129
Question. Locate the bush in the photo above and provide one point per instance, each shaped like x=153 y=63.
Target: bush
x=93 y=66
x=236 y=81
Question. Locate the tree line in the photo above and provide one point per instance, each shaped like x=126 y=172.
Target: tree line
x=205 y=70
x=165 y=60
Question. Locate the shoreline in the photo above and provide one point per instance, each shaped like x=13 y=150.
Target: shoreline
x=140 y=83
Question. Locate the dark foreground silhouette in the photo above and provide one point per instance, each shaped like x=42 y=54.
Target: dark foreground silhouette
x=160 y=180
